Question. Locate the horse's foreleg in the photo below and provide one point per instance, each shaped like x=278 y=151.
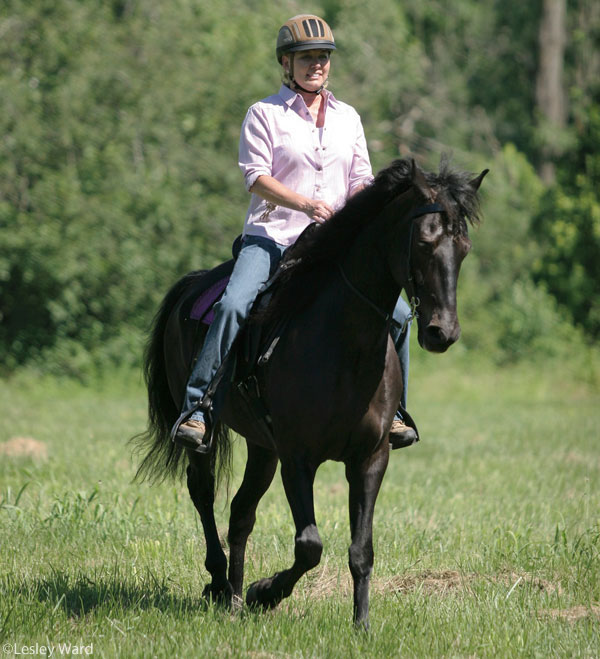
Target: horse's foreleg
x=298 y=480
x=260 y=469
x=201 y=486
x=364 y=477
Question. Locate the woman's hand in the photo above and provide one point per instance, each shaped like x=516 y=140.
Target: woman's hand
x=318 y=210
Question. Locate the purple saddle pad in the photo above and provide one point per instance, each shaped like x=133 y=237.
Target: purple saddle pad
x=203 y=306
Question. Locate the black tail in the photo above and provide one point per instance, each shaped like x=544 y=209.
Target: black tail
x=163 y=459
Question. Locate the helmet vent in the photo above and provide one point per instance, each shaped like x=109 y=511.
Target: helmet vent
x=313 y=28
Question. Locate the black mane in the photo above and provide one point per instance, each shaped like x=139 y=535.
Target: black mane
x=320 y=245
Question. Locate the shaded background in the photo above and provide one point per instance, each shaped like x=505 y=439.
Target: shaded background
x=119 y=123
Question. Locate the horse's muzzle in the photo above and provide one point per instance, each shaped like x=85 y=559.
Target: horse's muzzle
x=438 y=337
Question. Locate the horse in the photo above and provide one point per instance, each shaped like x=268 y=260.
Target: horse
x=333 y=381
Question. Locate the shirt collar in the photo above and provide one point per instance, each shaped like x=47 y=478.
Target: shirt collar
x=289 y=96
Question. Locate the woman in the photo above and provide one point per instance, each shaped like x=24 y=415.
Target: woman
x=302 y=153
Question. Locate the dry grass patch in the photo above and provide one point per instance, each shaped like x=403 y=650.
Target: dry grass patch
x=24 y=447
x=572 y=614
x=326 y=581
x=516 y=580
x=431 y=582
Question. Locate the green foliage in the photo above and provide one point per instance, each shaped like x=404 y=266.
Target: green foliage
x=379 y=69
x=118 y=171
x=569 y=228
x=502 y=311
x=120 y=124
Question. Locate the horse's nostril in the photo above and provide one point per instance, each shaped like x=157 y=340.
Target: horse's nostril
x=436 y=334
x=439 y=338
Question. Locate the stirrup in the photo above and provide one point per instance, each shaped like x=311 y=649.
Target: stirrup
x=406 y=438
x=403 y=435
x=203 y=447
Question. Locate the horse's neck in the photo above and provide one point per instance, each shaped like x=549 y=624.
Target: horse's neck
x=366 y=267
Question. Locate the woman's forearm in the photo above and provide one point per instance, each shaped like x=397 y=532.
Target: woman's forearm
x=277 y=193
x=272 y=190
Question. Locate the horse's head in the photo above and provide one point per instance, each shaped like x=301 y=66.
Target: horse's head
x=437 y=245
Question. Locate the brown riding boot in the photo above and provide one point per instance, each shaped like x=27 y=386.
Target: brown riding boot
x=190 y=434
x=401 y=435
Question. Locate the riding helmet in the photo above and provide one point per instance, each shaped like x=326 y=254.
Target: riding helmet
x=304 y=32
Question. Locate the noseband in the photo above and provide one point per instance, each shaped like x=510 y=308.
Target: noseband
x=414 y=301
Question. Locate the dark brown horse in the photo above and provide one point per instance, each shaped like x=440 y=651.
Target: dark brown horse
x=333 y=381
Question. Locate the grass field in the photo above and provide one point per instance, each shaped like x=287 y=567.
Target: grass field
x=487 y=534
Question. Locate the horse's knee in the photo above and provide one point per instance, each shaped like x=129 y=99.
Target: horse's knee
x=201 y=490
x=197 y=488
x=241 y=522
x=309 y=547
x=360 y=560
x=192 y=481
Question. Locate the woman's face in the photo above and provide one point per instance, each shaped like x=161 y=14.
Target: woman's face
x=311 y=68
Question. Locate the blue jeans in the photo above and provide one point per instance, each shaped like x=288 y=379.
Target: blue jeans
x=255 y=263
x=401 y=338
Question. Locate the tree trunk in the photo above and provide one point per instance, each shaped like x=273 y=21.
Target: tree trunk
x=549 y=90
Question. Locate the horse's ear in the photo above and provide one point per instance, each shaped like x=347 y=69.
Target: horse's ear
x=476 y=182
x=418 y=180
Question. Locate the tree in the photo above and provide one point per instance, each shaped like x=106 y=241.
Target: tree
x=549 y=89
x=568 y=227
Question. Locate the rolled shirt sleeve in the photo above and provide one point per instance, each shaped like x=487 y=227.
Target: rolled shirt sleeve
x=256 y=147
x=361 y=173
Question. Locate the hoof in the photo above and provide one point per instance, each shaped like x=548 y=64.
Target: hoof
x=362 y=625
x=219 y=596
x=259 y=595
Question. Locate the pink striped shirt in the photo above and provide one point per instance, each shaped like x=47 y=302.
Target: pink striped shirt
x=280 y=139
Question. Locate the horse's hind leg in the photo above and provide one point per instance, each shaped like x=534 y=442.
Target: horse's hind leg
x=260 y=469
x=201 y=486
x=364 y=478
x=298 y=480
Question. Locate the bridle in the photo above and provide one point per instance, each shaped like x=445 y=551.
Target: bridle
x=419 y=211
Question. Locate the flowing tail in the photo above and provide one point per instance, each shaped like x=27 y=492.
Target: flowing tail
x=164 y=458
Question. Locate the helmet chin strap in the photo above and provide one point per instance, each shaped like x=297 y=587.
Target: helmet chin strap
x=308 y=91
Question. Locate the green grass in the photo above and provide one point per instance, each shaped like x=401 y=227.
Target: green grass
x=487 y=534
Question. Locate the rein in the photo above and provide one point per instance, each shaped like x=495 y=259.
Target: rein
x=414 y=301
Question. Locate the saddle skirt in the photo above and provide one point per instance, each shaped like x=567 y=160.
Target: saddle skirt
x=203 y=307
